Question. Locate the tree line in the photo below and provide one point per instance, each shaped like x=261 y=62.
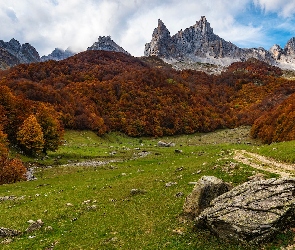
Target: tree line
x=108 y=91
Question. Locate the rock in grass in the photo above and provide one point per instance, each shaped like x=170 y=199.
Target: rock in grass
x=253 y=212
x=6 y=232
x=35 y=225
x=206 y=189
x=136 y=191
x=166 y=144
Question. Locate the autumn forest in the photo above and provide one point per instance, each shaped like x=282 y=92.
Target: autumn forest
x=108 y=91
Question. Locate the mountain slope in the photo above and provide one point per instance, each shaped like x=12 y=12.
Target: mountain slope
x=110 y=91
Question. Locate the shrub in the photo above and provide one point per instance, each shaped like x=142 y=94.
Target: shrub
x=11 y=170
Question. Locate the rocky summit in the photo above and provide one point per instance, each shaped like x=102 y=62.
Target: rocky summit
x=58 y=54
x=106 y=43
x=198 y=43
x=13 y=53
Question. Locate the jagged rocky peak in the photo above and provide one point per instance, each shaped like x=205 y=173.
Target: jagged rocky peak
x=290 y=47
x=159 y=45
x=198 y=43
x=276 y=51
x=161 y=30
x=106 y=43
x=13 y=53
x=58 y=54
x=204 y=26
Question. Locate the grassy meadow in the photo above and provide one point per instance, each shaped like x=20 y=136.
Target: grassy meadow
x=85 y=192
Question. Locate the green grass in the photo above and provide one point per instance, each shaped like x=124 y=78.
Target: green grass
x=283 y=151
x=112 y=218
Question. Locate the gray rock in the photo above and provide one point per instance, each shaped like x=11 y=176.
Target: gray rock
x=13 y=53
x=136 y=191
x=165 y=144
x=205 y=190
x=107 y=44
x=6 y=232
x=253 y=212
x=58 y=55
x=34 y=225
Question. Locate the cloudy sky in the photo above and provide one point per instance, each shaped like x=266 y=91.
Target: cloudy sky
x=47 y=24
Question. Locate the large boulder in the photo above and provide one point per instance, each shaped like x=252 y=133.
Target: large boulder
x=252 y=212
x=205 y=190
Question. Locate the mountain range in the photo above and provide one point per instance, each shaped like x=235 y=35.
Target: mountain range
x=196 y=44
x=13 y=53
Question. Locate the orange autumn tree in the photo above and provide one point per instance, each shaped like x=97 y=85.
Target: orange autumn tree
x=10 y=170
x=30 y=136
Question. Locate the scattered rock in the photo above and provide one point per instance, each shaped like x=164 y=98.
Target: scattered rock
x=166 y=144
x=179 y=231
x=30 y=174
x=86 y=202
x=251 y=213
x=6 y=241
x=205 y=190
x=35 y=225
x=69 y=204
x=92 y=207
x=178 y=151
x=135 y=191
x=169 y=184
x=49 y=228
x=6 y=198
x=6 y=232
x=179 y=194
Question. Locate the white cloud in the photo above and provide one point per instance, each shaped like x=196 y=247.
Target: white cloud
x=47 y=24
x=284 y=8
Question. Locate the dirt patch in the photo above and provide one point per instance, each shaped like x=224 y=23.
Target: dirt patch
x=263 y=163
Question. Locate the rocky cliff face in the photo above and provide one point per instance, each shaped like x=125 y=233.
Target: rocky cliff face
x=13 y=53
x=198 y=43
x=285 y=58
x=57 y=55
x=106 y=43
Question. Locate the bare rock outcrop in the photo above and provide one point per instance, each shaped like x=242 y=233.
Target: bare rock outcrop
x=198 y=43
x=58 y=55
x=205 y=190
x=13 y=53
x=253 y=212
x=107 y=44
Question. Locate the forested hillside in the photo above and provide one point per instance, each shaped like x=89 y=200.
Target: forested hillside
x=109 y=91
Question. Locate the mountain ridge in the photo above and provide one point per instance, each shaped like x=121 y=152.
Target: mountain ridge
x=13 y=53
x=199 y=43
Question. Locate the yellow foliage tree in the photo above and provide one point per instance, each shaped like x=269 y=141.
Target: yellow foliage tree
x=30 y=136
x=51 y=127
